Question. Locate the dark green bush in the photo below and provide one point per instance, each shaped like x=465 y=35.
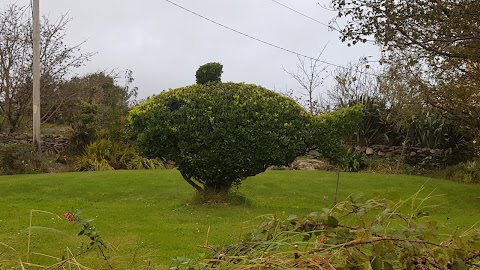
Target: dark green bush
x=354 y=162
x=210 y=72
x=219 y=134
x=374 y=127
x=83 y=125
x=18 y=158
x=104 y=155
x=433 y=130
x=465 y=172
x=328 y=131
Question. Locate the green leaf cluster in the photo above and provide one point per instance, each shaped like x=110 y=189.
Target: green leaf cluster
x=329 y=130
x=104 y=155
x=94 y=241
x=210 y=72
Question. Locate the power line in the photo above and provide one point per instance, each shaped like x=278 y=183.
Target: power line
x=313 y=19
x=249 y=36
x=260 y=40
x=304 y=15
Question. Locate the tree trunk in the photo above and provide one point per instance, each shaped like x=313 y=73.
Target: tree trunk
x=336 y=188
x=217 y=188
x=191 y=182
x=210 y=188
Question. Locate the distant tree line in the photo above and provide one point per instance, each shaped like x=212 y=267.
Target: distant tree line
x=90 y=104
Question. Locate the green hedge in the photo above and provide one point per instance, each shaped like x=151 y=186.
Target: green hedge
x=221 y=133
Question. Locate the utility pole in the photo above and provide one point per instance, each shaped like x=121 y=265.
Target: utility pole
x=36 y=74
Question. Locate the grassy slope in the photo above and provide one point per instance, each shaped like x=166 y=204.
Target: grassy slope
x=148 y=211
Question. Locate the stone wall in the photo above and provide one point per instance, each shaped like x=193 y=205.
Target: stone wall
x=51 y=144
x=398 y=151
x=413 y=155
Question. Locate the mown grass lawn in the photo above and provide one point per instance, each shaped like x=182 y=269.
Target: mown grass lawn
x=148 y=216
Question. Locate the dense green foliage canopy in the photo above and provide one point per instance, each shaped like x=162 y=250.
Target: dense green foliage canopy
x=98 y=109
x=330 y=130
x=221 y=133
x=435 y=44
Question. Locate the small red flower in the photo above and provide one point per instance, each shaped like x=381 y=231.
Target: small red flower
x=69 y=216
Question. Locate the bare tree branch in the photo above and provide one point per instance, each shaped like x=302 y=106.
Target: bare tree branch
x=309 y=76
x=57 y=60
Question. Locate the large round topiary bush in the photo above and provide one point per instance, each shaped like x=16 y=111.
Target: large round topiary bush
x=220 y=133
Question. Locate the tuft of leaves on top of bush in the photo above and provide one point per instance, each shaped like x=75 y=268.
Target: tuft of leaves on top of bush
x=210 y=72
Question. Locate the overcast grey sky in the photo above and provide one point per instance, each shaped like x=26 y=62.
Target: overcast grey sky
x=164 y=45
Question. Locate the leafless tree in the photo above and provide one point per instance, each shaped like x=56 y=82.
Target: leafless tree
x=16 y=56
x=310 y=74
x=353 y=82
